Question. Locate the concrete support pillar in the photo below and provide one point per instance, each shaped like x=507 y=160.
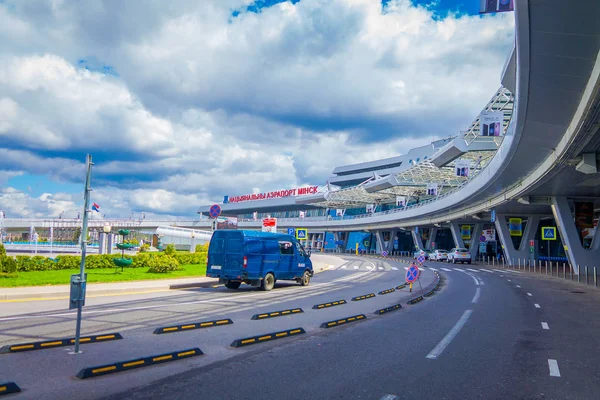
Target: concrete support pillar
x=193 y=244
x=346 y=237
x=390 y=246
x=102 y=243
x=474 y=243
x=336 y=239
x=432 y=235
x=511 y=254
x=456 y=235
x=417 y=238
x=110 y=243
x=578 y=256
x=380 y=245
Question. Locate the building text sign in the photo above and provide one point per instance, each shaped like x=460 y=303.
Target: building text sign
x=271 y=195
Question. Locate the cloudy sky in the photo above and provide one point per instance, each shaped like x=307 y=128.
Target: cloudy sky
x=183 y=101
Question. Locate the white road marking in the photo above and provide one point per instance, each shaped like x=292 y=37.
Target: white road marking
x=519 y=286
x=395 y=268
x=446 y=269
x=509 y=280
x=330 y=266
x=343 y=267
x=381 y=268
x=458 y=269
x=437 y=351
x=553 y=365
x=501 y=276
x=369 y=267
x=433 y=269
x=537 y=305
x=514 y=272
x=356 y=267
x=488 y=270
x=498 y=270
x=389 y=397
x=529 y=294
x=545 y=325
x=406 y=268
x=471 y=275
x=472 y=270
x=476 y=297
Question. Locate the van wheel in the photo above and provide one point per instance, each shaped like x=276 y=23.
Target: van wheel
x=268 y=283
x=232 y=285
x=305 y=279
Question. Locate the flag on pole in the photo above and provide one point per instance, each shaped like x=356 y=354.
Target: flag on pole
x=96 y=207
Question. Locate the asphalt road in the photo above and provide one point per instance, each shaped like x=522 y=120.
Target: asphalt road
x=50 y=373
x=483 y=336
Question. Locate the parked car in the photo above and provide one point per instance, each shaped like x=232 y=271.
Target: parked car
x=424 y=253
x=438 y=255
x=460 y=255
x=257 y=258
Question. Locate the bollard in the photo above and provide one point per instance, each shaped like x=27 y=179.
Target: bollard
x=595 y=278
x=587 y=277
x=571 y=271
x=564 y=271
x=546 y=267
x=578 y=273
x=519 y=263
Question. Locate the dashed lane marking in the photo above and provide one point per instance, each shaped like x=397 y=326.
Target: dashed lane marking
x=519 y=286
x=476 y=297
x=553 y=366
x=458 y=269
x=529 y=294
x=537 y=305
x=446 y=269
x=356 y=267
x=433 y=269
x=498 y=270
x=545 y=325
x=395 y=268
x=472 y=270
x=343 y=267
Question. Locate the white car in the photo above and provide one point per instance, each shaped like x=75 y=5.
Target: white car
x=438 y=255
x=460 y=255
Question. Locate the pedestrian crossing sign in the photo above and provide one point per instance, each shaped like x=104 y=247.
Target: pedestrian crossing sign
x=301 y=233
x=548 y=233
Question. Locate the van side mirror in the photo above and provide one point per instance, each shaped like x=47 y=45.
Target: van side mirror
x=308 y=253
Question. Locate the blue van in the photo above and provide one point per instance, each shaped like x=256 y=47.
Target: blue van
x=257 y=258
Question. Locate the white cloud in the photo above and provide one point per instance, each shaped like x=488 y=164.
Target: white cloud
x=205 y=104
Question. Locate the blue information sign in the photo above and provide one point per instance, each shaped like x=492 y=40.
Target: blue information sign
x=214 y=211
x=548 y=233
x=291 y=231
x=412 y=273
x=301 y=233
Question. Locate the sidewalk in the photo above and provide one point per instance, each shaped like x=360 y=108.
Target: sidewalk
x=61 y=291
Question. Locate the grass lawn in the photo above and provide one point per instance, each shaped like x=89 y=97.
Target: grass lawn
x=42 y=278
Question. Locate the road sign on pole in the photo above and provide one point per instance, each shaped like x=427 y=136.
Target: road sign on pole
x=548 y=233
x=214 y=211
x=301 y=233
x=412 y=273
x=421 y=259
x=291 y=231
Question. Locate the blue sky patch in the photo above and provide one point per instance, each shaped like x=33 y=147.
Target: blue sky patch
x=36 y=185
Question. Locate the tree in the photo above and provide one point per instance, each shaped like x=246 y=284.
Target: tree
x=76 y=234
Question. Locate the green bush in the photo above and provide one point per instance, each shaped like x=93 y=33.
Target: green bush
x=202 y=248
x=67 y=262
x=2 y=250
x=144 y=248
x=170 y=250
x=36 y=263
x=190 y=258
x=162 y=264
x=132 y=241
x=8 y=264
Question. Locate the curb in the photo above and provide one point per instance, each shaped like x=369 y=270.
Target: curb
x=266 y=337
x=8 y=388
x=91 y=372
x=274 y=314
x=387 y=291
x=330 y=304
x=363 y=297
x=388 y=309
x=343 y=321
x=192 y=326
x=48 y=344
x=415 y=300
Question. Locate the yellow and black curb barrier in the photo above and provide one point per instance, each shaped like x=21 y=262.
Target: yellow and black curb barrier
x=415 y=300
x=277 y=313
x=330 y=304
x=363 y=297
x=8 y=388
x=343 y=321
x=191 y=326
x=120 y=366
x=267 y=337
x=430 y=293
x=388 y=309
x=387 y=291
x=48 y=344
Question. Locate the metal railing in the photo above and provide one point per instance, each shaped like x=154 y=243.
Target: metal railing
x=587 y=275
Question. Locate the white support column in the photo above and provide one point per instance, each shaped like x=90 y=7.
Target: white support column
x=578 y=256
x=456 y=235
x=379 y=247
x=390 y=246
x=102 y=243
x=511 y=254
x=417 y=238
x=431 y=239
x=474 y=244
x=336 y=238
x=110 y=243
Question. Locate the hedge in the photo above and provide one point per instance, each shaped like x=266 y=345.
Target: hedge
x=144 y=260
